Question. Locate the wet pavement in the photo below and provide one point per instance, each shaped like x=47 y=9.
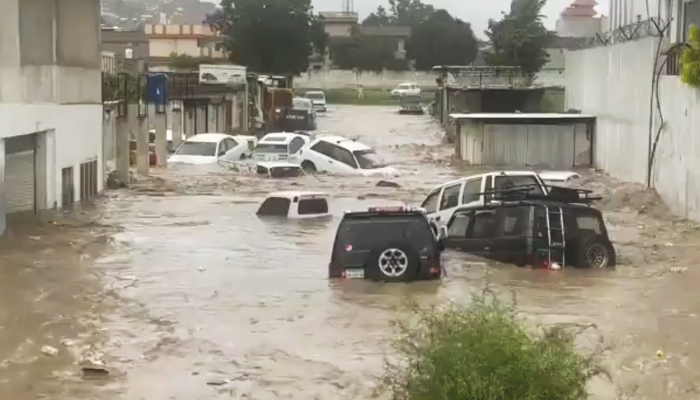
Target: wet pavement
x=190 y=296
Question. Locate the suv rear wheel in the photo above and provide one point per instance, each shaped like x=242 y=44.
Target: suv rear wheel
x=308 y=167
x=393 y=262
x=595 y=252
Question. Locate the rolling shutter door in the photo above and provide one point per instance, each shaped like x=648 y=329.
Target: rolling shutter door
x=19 y=182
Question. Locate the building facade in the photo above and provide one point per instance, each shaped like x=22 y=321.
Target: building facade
x=184 y=40
x=50 y=104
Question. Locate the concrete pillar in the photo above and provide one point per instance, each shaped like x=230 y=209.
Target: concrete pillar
x=245 y=120
x=177 y=124
x=142 y=152
x=161 y=142
x=3 y=222
x=121 y=145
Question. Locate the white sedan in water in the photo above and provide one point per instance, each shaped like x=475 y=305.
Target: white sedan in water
x=210 y=148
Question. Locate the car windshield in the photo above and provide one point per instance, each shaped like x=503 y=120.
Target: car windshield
x=404 y=86
x=207 y=149
x=270 y=148
x=315 y=96
x=368 y=159
x=302 y=104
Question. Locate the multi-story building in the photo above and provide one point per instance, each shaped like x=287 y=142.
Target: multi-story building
x=581 y=19
x=190 y=40
x=50 y=104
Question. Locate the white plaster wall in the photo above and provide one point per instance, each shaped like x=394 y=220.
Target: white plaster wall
x=339 y=79
x=614 y=83
x=77 y=138
x=676 y=172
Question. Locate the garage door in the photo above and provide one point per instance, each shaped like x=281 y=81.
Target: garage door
x=19 y=182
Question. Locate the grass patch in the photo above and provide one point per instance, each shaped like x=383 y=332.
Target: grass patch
x=482 y=351
x=372 y=97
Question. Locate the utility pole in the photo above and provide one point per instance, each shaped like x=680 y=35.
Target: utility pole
x=348 y=6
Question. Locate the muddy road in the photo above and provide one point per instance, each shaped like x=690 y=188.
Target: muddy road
x=200 y=299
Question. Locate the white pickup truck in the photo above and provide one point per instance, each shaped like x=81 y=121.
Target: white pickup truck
x=469 y=191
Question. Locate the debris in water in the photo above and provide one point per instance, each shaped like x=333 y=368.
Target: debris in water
x=669 y=244
x=201 y=269
x=49 y=351
x=678 y=270
x=659 y=354
x=92 y=368
x=555 y=266
x=218 y=382
x=388 y=184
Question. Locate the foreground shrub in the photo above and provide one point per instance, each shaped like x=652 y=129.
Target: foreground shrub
x=484 y=352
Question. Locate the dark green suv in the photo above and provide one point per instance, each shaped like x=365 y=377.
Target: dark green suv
x=392 y=244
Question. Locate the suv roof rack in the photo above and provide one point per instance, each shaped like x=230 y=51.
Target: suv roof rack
x=524 y=194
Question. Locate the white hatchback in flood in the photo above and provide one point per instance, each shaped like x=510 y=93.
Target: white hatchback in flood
x=280 y=146
x=294 y=204
x=210 y=148
x=340 y=155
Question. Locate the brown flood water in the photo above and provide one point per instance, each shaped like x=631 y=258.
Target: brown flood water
x=194 y=297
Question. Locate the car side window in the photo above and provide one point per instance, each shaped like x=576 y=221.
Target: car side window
x=472 y=191
x=223 y=147
x=274 y=206
x=344 y=156
x=232 y=144
x=450 y=197
x=589 y=223
x=459 y=225
x=431 y=202
x=512 y=221
x=295 y=145
x=323 y=147
x=483 y=225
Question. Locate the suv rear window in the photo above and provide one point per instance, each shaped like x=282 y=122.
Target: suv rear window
x=367 y=232
x=274 y=206
x=313 y=206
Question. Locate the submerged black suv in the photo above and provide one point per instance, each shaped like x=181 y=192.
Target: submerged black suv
x=526 y=229
x=391 y=244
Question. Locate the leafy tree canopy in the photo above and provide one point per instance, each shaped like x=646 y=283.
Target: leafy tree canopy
x=519 y=39
x=401 y=13
x=367 y=53
x=441 y=40
x=271 y=36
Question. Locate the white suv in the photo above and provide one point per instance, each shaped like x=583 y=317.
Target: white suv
x=406 y=89
x=340 y=155
x=296 y=205
x=280 y=146
x=445 y=199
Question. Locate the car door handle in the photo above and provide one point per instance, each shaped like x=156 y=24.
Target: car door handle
x=487 y=248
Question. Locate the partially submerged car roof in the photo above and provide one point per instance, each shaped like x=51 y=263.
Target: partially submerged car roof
x=392 y=211
x=291 y=194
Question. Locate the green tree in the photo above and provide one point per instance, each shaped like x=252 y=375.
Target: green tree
x=690 y=59
x=441 y=40
x=367 y=53
x=378 y=18
x=409 y=12
x=484 y=352
x=519 y=39
x=272 y=36
x=319 y=37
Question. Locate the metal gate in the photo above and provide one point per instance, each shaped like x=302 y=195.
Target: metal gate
x=20 y=178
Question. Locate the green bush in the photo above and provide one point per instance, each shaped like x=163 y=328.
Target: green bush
x=484 y=352
x=690 y=59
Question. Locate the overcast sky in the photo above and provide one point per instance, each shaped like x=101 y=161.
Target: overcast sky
x=477 y=12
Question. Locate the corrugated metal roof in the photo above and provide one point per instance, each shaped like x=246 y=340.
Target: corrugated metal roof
x=514 y=116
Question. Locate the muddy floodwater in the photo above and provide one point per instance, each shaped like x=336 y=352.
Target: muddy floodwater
x=186 y=294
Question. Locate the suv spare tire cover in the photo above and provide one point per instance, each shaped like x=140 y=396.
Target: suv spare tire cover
x=393 y=262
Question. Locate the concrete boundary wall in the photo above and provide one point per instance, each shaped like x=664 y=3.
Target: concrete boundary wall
x=614 y=83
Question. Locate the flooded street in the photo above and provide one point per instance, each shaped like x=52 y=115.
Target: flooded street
x=190 y=295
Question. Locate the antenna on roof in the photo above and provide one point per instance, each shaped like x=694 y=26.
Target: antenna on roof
x=348 y=6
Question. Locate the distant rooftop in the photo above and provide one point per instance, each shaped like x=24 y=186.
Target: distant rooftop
x=340 y=15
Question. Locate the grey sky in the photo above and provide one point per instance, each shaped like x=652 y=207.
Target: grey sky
x=476 y=12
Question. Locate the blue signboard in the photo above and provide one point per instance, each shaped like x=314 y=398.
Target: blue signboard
x=157 y=88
